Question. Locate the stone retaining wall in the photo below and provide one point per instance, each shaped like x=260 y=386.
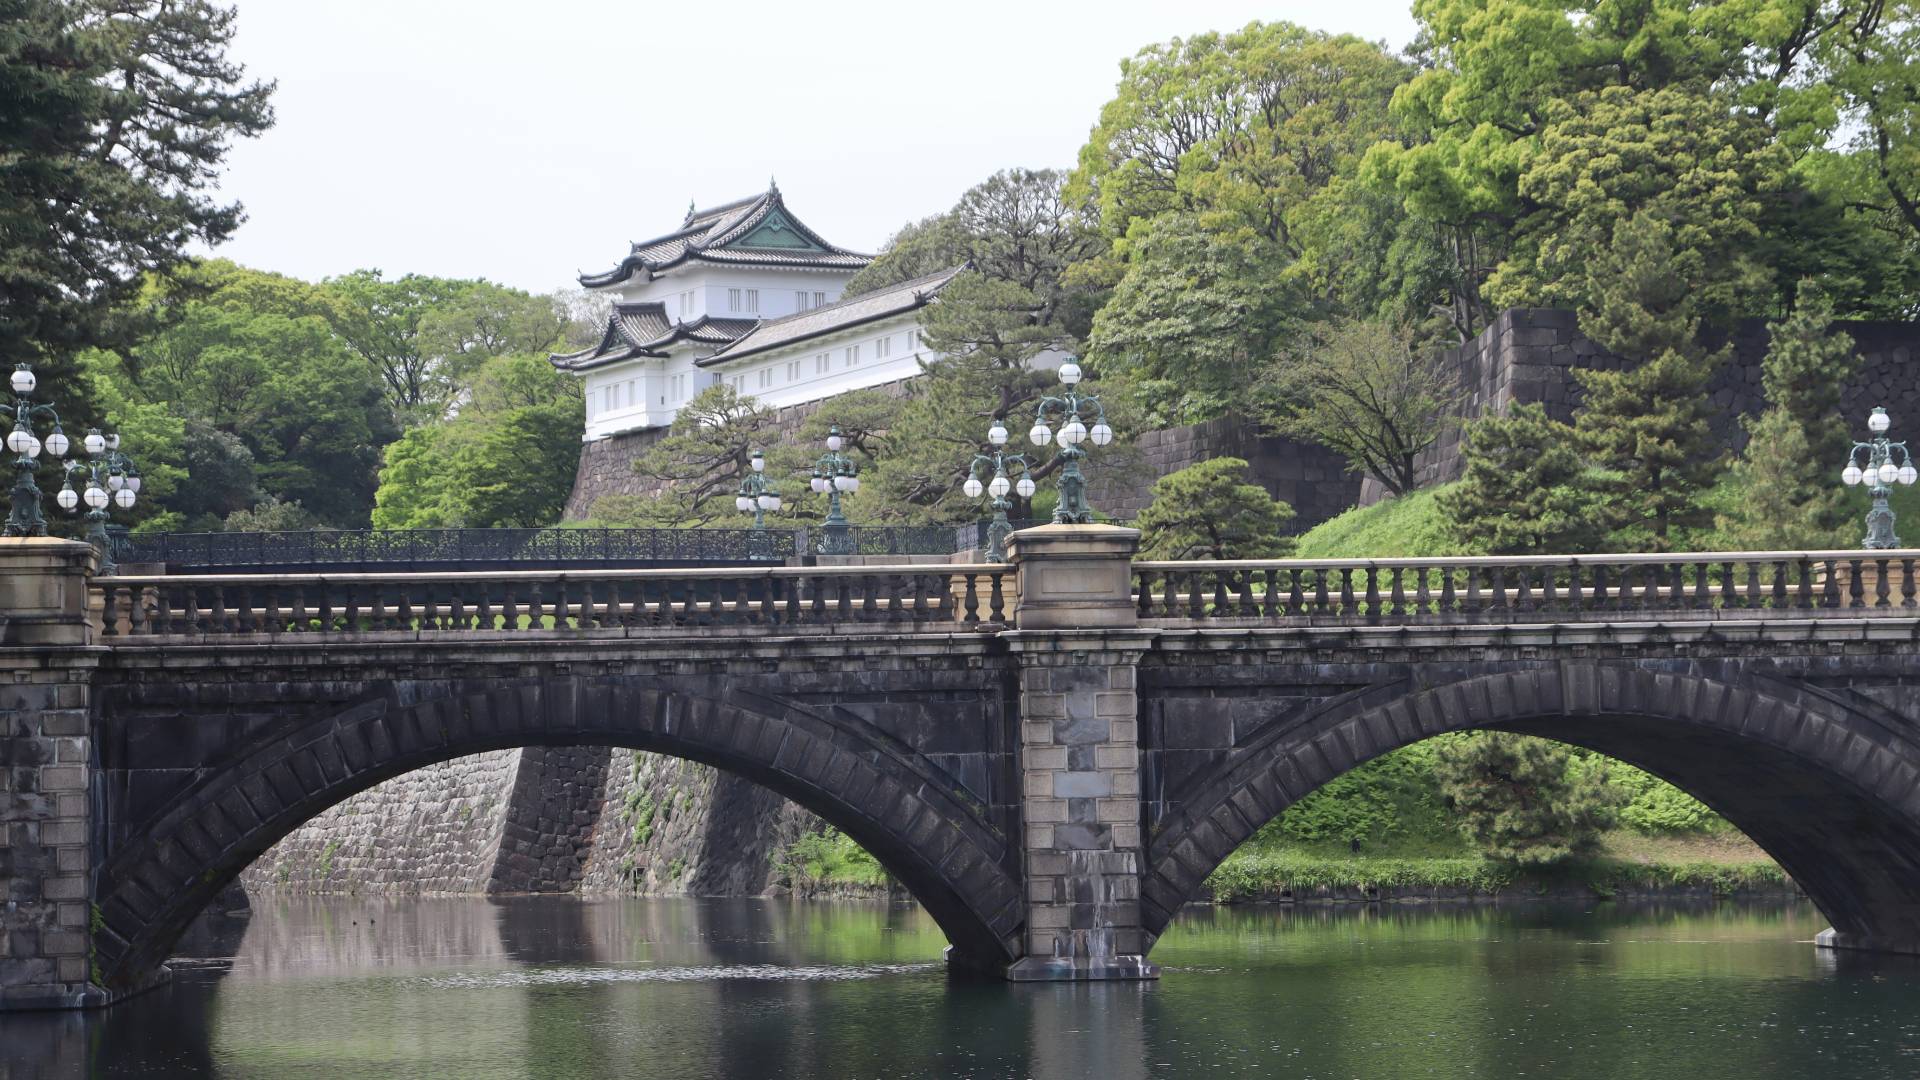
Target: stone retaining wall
x=506 y=821
x=1529 y=355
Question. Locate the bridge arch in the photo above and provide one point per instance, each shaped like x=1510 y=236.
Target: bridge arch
x=920 y=824
x=1824 y=783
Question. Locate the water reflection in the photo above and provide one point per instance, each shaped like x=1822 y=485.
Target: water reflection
x=682 y=988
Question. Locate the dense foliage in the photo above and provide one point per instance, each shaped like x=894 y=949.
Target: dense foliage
x=1213 y=511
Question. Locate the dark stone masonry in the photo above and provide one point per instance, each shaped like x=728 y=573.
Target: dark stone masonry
x=715 y=834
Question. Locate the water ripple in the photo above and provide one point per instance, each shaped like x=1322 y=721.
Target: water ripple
x=584 y=976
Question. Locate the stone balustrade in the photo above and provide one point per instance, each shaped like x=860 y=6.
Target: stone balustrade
x=1525 y=588
x=220 y=606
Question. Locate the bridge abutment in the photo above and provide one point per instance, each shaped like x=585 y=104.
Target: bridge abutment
x=47 y=835
x=1079 y=754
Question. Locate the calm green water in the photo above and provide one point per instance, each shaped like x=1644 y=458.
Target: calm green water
x=553 y=987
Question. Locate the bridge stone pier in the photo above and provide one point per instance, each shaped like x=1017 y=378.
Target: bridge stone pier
x=1053 y=776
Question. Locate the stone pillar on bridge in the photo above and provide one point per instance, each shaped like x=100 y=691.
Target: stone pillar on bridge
x=47 y=657
x=1078 y=640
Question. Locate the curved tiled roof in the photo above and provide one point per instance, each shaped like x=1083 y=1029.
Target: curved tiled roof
x=715 y=235
x=894 y=300
x=643 y=329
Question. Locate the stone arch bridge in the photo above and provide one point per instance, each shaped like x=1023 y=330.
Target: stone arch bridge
x=1051 y=755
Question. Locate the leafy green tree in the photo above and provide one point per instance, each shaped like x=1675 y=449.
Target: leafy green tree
x=1788 y=500
x=1525 y=489
x=270 y=515
x=1212 y=511
x=252 y=355
x=506 y=460
x=425 y=336
x=1496 y=75
x=1682 y=157
x=1218 y=171
x=1367 y=392
x=1195 y=319
x=1517 y=799
x=115 y=117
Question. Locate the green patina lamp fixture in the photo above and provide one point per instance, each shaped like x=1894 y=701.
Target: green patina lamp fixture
x=1874 y=463
x=760 y=497
x=833 y=474
x=997 y=488
x=1072 y=409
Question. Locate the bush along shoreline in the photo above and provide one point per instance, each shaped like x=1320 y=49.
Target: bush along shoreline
x=1294 y=877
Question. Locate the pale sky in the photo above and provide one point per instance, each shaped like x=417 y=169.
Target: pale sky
x=524 y=142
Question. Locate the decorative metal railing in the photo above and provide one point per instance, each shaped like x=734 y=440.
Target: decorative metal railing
x=210 y=606
x=555 y=548
x=1509 y=589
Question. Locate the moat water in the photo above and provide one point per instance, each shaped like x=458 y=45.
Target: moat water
x=558 y=987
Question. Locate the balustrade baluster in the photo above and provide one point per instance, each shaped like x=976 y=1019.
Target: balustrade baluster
x=997 y=600
x=217 y=616
x=109 y=610
x=1449 y=601
x=1574 y=597
x=1803 y=593
x=1523 y=591
x=817 y=608
x=792 y=588
x=843 y=599
x=869 y=592
x=1222 y=607
x=1372 y=592
x=970 y=611
x=1474 y=605
x=1881 y=586
x=1143 y=594
x=1170 y=600
x=1348 y=606
x=1677 y=589
x=1501 y=601
x=1549 y=589
x=1702 y=586
x=919 y=598
x=1906 y=583
x=1856 y=590
x=1294 y=603
x=139 y=610
x=769 y=600
x=456 y=606
x=1730 y=586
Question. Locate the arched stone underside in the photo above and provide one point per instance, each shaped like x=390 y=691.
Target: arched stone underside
x=1825 y=784
x=916 y=820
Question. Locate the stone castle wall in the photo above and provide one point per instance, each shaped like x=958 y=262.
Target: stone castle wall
x=507 y=821
x=1529 y=355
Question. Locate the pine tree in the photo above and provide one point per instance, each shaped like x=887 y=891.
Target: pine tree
x=1645 y=427
x=1526 y=490
x=1212 y=511
x=1785 y=477
x=1516 y=797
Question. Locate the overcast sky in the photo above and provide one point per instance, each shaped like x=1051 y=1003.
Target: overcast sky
x=527 y=141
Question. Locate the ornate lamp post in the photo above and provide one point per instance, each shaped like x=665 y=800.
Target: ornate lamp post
x=834 y=473
x=997 y=488
x=1880 y=471
x=759 y=497
x=1073 y=509
x=25 y=519
x=110 y=478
